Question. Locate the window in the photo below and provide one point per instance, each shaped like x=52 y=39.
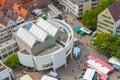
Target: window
x=106 y=16
x=9 y=48
x=109 y=22
x=3 y=50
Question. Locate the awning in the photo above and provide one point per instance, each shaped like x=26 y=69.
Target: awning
x=82 y=32
x=77 y=28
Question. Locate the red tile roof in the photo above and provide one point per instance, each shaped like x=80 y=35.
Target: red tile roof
x=19 y=10
x=2 y=4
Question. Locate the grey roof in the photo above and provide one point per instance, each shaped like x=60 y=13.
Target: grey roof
x=3 y=19
x=10 y=14
x=115 y=10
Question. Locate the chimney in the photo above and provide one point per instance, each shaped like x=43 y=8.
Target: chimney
x=19 y=7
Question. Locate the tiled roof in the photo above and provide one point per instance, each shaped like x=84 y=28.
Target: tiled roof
x=2 y=4
x=19 y=10
x=115 y=10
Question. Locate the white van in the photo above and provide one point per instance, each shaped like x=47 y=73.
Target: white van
x=94 y=33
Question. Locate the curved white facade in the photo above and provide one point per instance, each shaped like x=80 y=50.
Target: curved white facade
x=52 y=60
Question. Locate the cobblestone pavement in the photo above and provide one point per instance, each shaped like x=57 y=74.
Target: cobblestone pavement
x=74 y=68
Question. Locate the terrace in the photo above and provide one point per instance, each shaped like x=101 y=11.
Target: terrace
x=48 y=51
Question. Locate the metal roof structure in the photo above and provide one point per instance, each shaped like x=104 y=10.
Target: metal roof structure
x=26 y=36
x=38 y=32
x=98 y=67
x=49 y=28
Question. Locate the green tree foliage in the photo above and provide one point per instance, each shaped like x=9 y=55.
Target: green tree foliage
x=89 y=18
x=55 y=2
x=44 y=17
x=12 y=61
x=108 y=44
x=59 y=17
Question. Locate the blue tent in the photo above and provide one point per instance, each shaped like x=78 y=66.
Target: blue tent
x=82 y=32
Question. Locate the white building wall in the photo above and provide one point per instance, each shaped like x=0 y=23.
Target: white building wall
x=25 y=59
x=41 y=61
x=59 y=59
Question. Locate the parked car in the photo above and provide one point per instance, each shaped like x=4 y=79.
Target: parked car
x=94 y=33
x=54 y=75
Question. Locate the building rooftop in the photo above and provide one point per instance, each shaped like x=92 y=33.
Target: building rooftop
x=115 y=10
x=2 y=4
x=54 y=9
x=2 y=26
x=12 y=15
x=3 y=19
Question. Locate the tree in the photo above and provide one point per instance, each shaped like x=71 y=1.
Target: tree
x=55 y=2
x=59 y=17
x=89 y=18
x=108 y=44
x=12 y=61
x=44 y=17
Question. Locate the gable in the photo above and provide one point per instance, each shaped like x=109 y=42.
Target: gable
x=107 y=15
x=11 y=23
x=19 y=20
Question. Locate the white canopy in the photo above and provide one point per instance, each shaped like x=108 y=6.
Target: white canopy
x=46 y=77
x=26 y=36
x=89 y=74
x=98 y=67
x=38 y=32
x=52 y=30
